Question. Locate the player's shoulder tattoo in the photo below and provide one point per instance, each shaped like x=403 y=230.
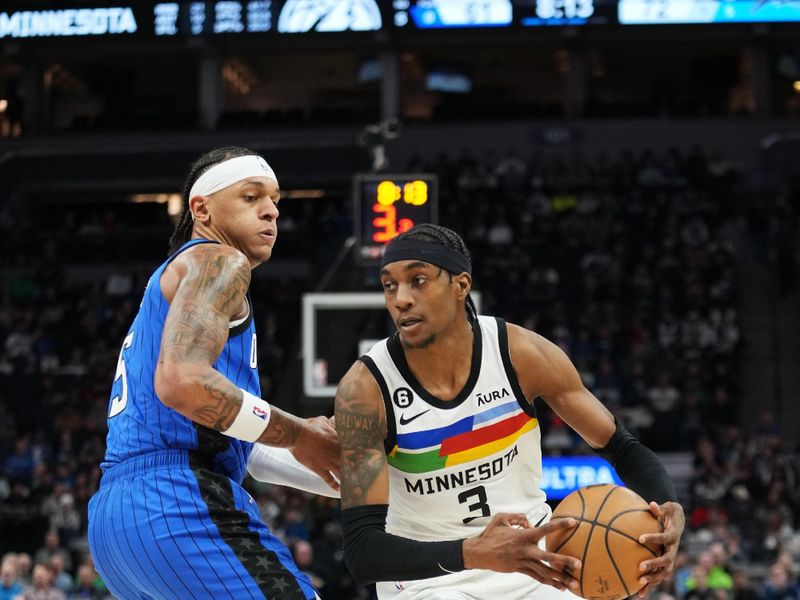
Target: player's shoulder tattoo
x=210 y=293
x=221 y=271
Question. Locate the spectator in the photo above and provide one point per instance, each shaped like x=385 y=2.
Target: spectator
x=24 y=566
x=295 y=527
x=42 y=588
x=718 y=576
x=709 y=572
x=303 y=554
x=10 y=585
x=743 y=588
x=697 y=585
x=61 y=579
x=88 y=585
x=681 y=573
x=777 y=585
x=66 y=520
x=19 y=465
x=52 y=546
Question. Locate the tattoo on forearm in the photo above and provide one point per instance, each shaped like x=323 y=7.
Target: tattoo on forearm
x=219 y=405
x=283 y=430
x=361 y=430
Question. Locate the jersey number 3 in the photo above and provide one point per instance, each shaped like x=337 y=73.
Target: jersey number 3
x=479 y=493
x=120 y=401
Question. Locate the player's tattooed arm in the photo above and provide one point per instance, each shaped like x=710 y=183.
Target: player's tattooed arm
x=361 y=425
x=211 y=293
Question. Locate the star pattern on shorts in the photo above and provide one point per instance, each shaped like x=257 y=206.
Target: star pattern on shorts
x=249 y=544
x=216 y=487
x=280 y=584
x=274 y=580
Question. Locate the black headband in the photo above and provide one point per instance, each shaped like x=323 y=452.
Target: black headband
x=429 y=252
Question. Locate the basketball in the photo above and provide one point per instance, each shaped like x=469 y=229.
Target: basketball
x=606 y=539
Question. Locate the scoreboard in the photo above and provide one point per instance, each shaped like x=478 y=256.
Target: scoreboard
x=188 y=18
x=675 y=12
x=450 y=14
x=387 y=205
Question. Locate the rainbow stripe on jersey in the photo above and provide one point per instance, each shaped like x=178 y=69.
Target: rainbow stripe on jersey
x=471 y=438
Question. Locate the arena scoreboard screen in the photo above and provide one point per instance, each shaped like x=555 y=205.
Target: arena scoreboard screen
x=185 y=18
x=451 y=14
x=387 y=205
x=92 y=19
x=676 y=12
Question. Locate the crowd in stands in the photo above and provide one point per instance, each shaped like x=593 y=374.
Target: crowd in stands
x=628 y=262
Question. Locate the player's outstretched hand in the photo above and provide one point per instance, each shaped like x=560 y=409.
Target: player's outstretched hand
x=656 y=570
x=510 y=544
x=317 y=448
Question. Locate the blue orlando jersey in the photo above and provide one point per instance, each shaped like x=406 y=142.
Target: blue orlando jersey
x=138 y=422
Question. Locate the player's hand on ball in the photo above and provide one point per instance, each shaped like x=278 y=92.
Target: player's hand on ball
x=510 y=545
x=656 y=570
x=317 y=448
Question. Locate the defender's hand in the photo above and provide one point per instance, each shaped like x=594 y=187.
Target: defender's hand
x=509 y=544
x=317 y=448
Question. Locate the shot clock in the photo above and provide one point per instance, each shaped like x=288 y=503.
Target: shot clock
x=387 y=205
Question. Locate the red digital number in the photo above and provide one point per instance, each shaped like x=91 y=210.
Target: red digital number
x=387 y=225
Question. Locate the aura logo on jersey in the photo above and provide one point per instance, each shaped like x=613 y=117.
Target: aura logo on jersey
x=485 y=398
x=468 y=439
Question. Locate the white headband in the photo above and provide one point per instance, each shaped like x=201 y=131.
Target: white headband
x=229 y=172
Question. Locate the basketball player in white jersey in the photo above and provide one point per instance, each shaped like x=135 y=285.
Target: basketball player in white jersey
x=441 y=454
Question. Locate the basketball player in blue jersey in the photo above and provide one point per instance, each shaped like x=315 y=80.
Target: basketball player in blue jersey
x=441 y=453
x=171 y=519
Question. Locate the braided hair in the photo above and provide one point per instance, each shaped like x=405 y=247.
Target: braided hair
x=438 y=234
x=183 y=230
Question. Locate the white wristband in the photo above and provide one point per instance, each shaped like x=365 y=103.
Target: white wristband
x=252 y=419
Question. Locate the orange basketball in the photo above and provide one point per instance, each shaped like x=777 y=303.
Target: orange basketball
x=606 y=540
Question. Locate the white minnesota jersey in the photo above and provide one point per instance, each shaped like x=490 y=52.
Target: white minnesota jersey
x=454 y=464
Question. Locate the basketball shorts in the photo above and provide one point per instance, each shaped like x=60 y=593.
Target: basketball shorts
x=161 y=527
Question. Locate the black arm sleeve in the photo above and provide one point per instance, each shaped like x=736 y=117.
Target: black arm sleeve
x=638 y=467
x=373 y=555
